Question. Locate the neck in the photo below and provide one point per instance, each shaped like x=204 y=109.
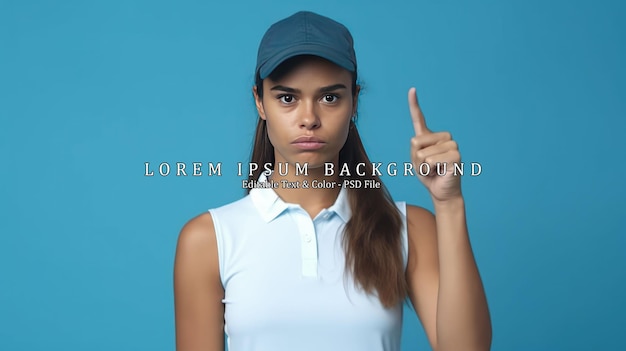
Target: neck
x=313 y=190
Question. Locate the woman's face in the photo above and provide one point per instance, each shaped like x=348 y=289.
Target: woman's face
x=308 y=112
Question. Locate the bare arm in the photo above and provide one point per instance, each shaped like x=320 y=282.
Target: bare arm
x=445 y=285
x=198 y=290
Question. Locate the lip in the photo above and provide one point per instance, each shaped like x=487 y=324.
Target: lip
x=308 y=143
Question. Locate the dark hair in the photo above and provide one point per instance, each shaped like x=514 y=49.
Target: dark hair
x=372 y=237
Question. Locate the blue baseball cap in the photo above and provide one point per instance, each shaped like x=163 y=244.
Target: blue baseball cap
x=305 y=33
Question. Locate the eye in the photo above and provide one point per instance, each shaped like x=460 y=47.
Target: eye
x=286 y=99
x=330 y=98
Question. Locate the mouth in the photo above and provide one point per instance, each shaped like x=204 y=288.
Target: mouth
x=308 y=143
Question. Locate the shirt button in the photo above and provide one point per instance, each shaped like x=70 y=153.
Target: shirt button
x=307 y=238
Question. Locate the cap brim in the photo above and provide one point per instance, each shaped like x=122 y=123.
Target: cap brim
x=305 y=49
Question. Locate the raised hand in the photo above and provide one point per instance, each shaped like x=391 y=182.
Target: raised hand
x=430 y=152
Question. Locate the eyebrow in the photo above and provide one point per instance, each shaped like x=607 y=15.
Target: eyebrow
x=321 y=90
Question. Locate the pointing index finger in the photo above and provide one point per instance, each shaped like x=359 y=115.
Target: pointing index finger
x=419 y=123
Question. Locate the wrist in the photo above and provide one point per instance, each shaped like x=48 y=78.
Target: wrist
x=453 y=204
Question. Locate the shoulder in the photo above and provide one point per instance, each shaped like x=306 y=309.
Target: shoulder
x=421 y=231
x=416 y=216
x=196 y=263
x=198 y=240
x=422 y=272
x=197 y=231
x=197 y=244
x=419 y=218
x=198 y=290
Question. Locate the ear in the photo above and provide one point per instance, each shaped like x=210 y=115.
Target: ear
x=258 y=102
x=355 y=99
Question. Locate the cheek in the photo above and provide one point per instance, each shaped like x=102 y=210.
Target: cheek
x=270 y=131
x=279 y=124
x=275 y=130
x=342 y=134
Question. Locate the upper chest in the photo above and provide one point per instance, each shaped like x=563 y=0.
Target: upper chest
x=291 y=272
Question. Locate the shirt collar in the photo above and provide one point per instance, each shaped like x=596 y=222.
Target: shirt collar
x=342 y=205
x=270 y=205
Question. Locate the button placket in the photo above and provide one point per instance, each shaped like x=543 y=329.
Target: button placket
x=308 y=243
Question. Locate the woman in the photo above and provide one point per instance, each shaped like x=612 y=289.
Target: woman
x=311 y=259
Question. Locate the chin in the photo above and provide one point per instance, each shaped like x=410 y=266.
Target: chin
x=317 y=165
x=315 y=161
x=312 y=159
x=311 y=162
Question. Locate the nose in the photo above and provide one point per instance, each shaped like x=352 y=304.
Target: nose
x=309 y=118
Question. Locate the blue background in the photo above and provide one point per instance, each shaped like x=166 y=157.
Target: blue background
x=90 y=90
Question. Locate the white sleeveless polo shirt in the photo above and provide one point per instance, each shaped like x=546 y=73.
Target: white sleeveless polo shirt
x=284 y=282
